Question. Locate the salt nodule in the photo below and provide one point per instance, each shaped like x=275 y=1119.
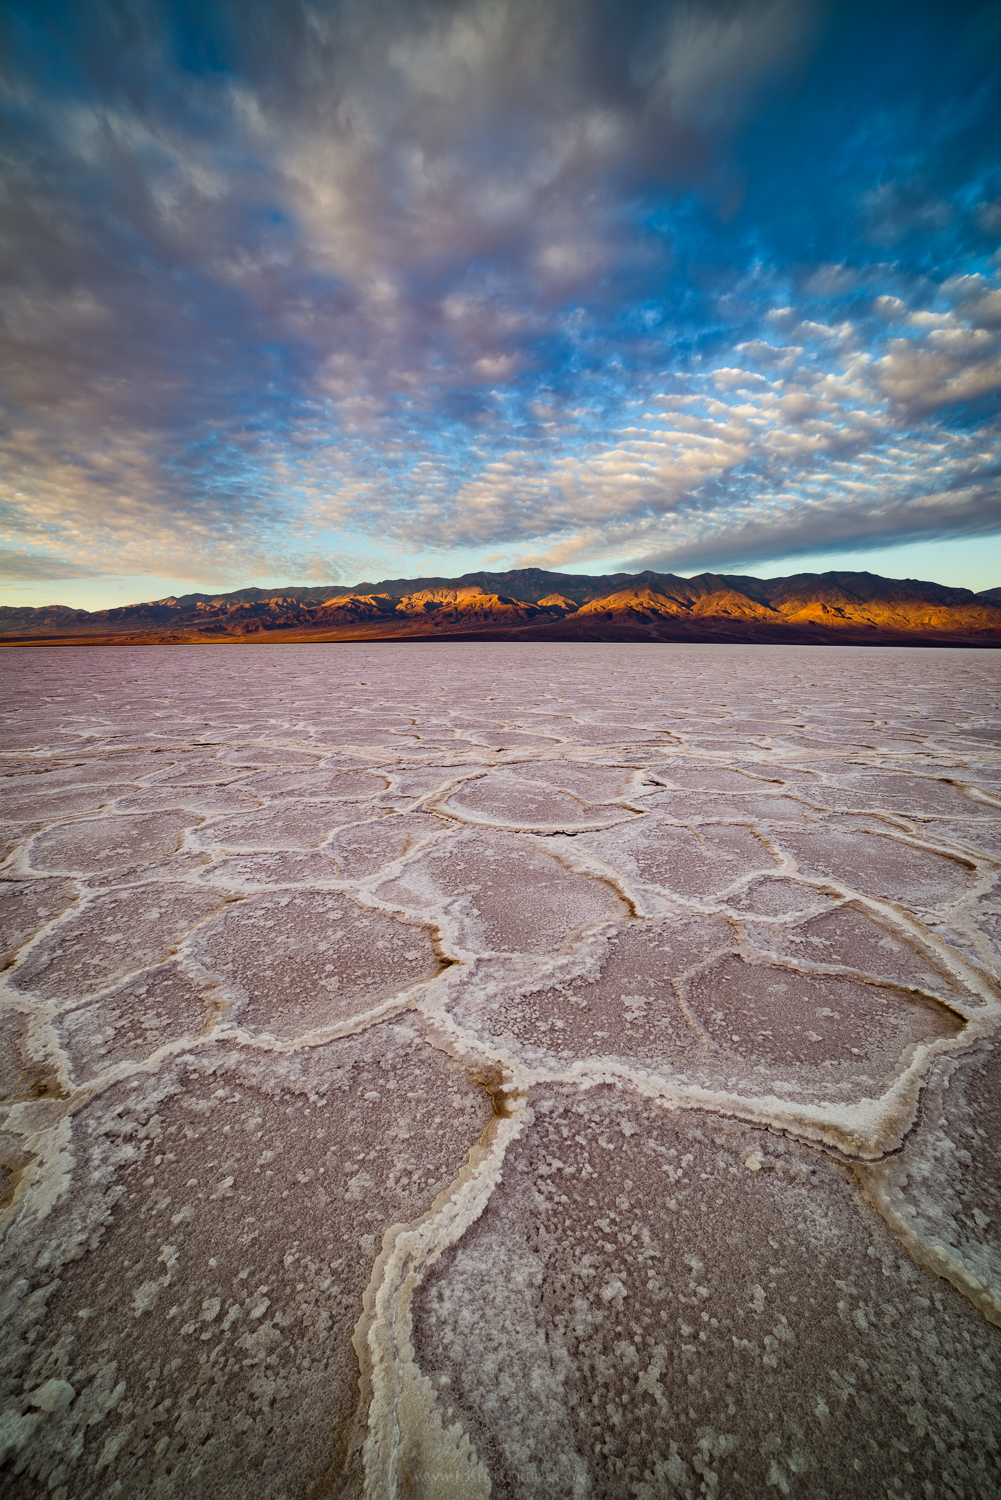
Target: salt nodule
x=455 y=1069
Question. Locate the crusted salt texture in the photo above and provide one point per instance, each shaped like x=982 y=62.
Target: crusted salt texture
x=452 y=1070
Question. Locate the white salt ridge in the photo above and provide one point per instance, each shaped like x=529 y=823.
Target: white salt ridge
x=662 y=890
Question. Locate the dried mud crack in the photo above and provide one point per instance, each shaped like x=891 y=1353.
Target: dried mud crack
x=517 y=1070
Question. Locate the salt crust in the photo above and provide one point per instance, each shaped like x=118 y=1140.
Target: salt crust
x=583 y=1088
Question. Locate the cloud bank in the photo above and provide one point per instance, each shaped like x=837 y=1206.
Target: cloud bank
x=690 y=284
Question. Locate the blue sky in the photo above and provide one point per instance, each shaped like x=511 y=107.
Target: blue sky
x=303 y=293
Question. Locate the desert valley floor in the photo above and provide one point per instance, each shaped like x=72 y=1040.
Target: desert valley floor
x=450 y=1070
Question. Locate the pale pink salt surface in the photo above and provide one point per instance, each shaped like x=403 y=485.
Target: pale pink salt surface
x=659 y=1304
x=602 y=943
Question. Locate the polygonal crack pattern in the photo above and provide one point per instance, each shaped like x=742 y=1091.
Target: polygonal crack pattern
x=538 y=1071
x=199 y=1290
x=657 y=1304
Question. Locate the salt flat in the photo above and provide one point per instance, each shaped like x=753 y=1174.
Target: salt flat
x=531 y=1070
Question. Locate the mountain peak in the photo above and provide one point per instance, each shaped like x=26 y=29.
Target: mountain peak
x=530 y=603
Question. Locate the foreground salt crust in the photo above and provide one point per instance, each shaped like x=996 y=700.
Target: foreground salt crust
x=454 y=1069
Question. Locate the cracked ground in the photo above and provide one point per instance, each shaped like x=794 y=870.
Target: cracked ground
x=532 y=1070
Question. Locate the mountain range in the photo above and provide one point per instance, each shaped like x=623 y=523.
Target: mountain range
x=531 y=604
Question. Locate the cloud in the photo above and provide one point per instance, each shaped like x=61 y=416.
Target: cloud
x=752 y=468
x=953 y=370
x=831 y=281
x=412 y=273
x=806 y=529
x=362 y=210
x=958 y=360
x=711 y=60
x=894 y=210
x=27 y=567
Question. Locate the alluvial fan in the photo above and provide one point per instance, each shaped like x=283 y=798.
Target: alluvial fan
x=450 y=1070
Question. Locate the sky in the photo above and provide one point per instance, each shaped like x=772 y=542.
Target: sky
x=307 y=293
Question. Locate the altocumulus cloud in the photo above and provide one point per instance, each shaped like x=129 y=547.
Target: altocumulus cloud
x=684 y=284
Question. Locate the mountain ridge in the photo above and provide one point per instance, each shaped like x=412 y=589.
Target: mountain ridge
x=532 y=603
